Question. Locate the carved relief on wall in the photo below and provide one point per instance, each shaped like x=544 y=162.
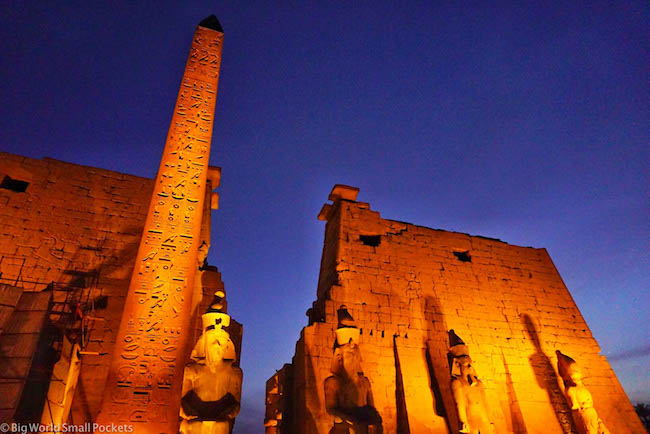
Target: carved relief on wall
x=145 y=382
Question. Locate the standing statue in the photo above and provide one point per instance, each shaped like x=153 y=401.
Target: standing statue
x=348 y=396
x=211 y=384
x=468 y=390
x=580 y=399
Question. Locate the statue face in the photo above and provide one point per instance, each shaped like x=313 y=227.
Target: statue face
x=574 y=373
x=467 y=371
x=350 y=358
x=212 y=347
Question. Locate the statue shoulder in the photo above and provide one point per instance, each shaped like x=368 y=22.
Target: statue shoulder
x=332 y=382
x=236 y=371
x=570 y=391
x=456 y=384
x=191 y=370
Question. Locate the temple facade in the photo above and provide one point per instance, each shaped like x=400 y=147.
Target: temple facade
x=418 y=330
x=109 y=310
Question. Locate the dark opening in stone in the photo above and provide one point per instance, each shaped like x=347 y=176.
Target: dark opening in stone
x=370 y=240
x=463 y=256
x=13 y=184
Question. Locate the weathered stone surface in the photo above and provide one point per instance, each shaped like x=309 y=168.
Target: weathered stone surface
x=56 y=232
x=278 y=410
x=9 y=296
x=18 y=344
x=407 y=286
x=145 y=377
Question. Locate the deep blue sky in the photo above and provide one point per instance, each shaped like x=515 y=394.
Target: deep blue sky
x=528 y=123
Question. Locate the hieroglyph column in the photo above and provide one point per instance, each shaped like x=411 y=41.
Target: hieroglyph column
x=145 y=378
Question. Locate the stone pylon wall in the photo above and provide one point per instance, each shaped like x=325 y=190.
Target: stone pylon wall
x=80 y=226
x=508 y=303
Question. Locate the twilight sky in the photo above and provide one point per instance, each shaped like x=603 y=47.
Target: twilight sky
x=527 y=123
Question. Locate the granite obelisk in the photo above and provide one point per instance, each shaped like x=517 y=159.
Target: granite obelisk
x=145 y=379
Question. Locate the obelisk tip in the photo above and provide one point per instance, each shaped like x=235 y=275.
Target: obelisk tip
x=211 y=23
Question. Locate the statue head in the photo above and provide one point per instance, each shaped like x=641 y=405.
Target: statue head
x=214 y=347
x=202 y=253
x=466 y=370
x=215 y=320
x=575 y=373
x=347 y=356
x=568 y=369
x=347 y=360
x=461 y=362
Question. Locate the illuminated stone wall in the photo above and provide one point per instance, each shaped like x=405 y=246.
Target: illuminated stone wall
x=406 y=286
x=22 y=317
x=277 y=417
x=78 y=228
x=75 y=226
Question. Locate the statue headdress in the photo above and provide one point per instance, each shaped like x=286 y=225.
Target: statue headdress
x=564 y=365
x=457 y=349
x=347 y=330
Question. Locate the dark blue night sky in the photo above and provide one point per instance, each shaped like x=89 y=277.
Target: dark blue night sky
x=527 y=122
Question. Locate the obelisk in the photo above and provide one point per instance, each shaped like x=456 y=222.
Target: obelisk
x=145 y=379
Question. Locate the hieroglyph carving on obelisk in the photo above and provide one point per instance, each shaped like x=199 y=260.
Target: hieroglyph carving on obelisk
x=145 y=378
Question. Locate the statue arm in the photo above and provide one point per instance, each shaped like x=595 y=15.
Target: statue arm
x=486 y=407
x=225 y=408
x=484 y=398
x=331 y=401
x=370 y=400
x=228 y=406
x=187 y=381
x=573 y=399
x=234 y=388
x=372 y=415
x=187 y=386
x=459 y=398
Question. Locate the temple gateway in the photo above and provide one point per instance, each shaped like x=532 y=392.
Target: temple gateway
x=418 y=330
x=110 y=312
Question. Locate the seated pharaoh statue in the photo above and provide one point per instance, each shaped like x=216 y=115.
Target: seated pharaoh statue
x=468 y=390
x=580 y=399
x=211 y=384
x=348 y=396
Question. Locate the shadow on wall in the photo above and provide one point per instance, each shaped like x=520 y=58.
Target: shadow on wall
x=310 y=395
x=32 y=399
x=516 y=416
x=83 y=406
x=400 y=398
x=66 y=313
x=437 y=345
x=547 y=379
